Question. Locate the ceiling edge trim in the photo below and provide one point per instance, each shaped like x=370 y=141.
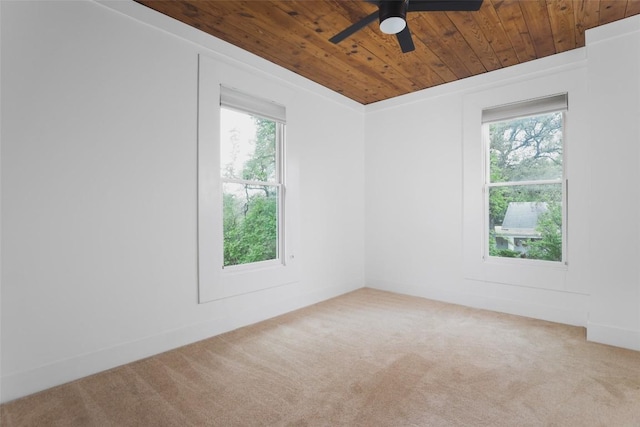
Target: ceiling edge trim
x=571 y=59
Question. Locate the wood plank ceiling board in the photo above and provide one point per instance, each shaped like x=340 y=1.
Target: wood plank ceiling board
x=539 y=25
x=513 y=21
x=369 y=66
x=489 y=22
x=441 y=32
x=587 y=15
x=472 y=32
x=562 y=24
x=612 y=10
x=633 y=8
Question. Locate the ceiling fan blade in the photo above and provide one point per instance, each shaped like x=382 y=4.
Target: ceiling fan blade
x=354 y=28
x=405 y=40
x=443 y=5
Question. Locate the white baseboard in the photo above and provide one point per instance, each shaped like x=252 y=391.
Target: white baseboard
x=553 y=306
x=617 y=337
x=24 y=383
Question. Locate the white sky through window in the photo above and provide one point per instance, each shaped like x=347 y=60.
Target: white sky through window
x=237 y=141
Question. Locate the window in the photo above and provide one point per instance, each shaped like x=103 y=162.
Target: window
x=524 y=189
x=252 y=186
x=247 y=181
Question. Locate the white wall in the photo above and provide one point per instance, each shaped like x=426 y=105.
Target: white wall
x=99 y=250
x=614 y=92
x=421 y=157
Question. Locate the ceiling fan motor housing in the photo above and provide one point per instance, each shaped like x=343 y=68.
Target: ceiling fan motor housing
x=393 y=16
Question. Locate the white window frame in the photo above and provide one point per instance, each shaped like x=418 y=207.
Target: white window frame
x=246 y=104
x=557 y=103
x=214 y=281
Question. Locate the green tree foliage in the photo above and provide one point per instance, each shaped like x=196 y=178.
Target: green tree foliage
x=498 y=197
x=549 y=246
x=250 y=210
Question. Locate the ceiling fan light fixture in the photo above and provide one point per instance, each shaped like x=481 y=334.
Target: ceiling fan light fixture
x=393 y=25
x=393 y=15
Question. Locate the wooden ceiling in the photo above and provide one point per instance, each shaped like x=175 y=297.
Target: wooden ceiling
x=369 y=66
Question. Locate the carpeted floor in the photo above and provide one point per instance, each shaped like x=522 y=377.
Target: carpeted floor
x=368 y=358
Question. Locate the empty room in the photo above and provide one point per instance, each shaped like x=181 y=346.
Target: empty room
x=320 y=213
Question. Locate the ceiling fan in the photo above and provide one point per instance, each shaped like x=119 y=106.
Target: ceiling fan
x=393 y=13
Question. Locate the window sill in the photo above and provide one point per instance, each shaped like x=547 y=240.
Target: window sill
x=249 y=278
x=526 y=262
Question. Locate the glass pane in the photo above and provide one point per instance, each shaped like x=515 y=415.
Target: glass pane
x=526 y=149
x=250 y=223
x=247 y=147
x=525 y=221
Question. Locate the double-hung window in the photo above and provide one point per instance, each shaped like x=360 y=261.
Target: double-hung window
x=251 y=175
x=525 y=184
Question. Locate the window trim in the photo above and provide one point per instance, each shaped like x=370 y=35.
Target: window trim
x=475 y=269
x=214 y=282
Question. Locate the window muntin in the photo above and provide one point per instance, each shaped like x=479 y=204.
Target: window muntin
x=251 y=178
x=524 y=186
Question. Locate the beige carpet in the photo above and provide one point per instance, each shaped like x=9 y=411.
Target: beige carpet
x=368 y=358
